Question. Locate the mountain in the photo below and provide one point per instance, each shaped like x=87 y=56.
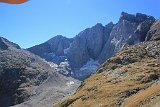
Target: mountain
x=130 y=29
x=27 y=79
x=87 y=47
x=53 y=49
x=91 y=47
x=131 y=78
x=5 y=44
x=121 y=61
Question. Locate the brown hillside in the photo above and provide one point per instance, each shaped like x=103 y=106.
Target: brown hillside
x=137 y=99
x=131 y=78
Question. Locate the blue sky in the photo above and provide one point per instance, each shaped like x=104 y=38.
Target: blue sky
x=37 y=21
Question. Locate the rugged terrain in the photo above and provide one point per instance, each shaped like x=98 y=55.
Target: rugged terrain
x=127 y=78
x=25 y=77
x=53 y=49
x=91 y=47
x=131 y=78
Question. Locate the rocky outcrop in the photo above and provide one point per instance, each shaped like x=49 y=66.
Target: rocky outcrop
x=154 y=32
x=87 y=45
x=53 y=49
x=137 y=18
x=5 y=44
x=25 y=77
x=143 y=28
x=130 y=29
x=19 y=70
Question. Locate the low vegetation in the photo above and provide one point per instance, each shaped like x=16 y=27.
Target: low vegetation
x=131 y=78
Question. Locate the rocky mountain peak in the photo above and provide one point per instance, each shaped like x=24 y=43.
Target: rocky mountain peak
x=98 y=25
x=110 y=24
x=53 y=49
x=138 y=17
x=58 y=37
x=95 y=44
x=5 y=44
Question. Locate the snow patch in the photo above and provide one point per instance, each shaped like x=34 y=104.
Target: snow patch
x=52 y=54
x=70 y=83
x=64 y=68
x=67 y=49
x=89 y=68
x=52 y=65
x=115 y=41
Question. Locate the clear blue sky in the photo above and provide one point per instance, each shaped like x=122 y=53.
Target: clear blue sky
x=37 y=21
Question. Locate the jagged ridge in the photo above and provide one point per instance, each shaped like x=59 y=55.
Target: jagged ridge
x=94 y=45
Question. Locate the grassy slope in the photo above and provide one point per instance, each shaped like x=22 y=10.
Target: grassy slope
x=139 y=98
x=130 y=76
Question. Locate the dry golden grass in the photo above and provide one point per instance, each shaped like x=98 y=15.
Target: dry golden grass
x=128 y=75
x=110 y=89
x=137 y=99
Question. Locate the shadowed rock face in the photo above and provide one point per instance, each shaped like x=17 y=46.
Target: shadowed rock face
x=53 y=49
x=154 y=32
x=137 y=18
x=130 y=29
x=88 y=44
x=19 y=70
x=25 y=77
x=5 y=44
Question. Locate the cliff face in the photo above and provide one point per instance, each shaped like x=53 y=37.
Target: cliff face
x=154 y=32
x=86 y=47
x=89 y=44
x=19 y=69
x=131 y=78
x=130 y=29
x=94 y=45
